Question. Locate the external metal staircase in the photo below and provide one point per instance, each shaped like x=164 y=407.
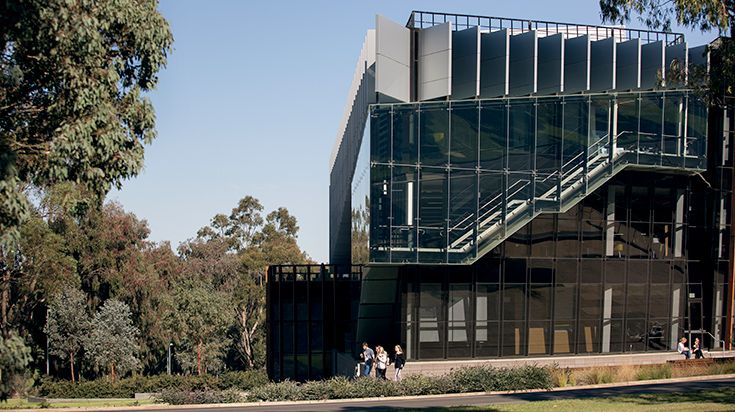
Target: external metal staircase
x=547 y=168
x=502 y=215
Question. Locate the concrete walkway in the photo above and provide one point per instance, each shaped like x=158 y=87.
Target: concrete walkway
x=434 y=368
x=678 y=385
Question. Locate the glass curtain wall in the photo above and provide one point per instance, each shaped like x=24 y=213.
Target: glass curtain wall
x=311 y=316
x=450 y=180
x=613 y=274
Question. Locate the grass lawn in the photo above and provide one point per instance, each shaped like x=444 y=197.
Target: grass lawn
x=24 y=404
x=715 y=400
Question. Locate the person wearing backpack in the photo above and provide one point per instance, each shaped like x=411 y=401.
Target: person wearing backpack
x=400 y=362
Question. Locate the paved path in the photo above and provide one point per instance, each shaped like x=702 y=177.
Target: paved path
x=470 y=400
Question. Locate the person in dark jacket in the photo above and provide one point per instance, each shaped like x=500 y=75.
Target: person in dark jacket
x=399 y=363
x=697 y=349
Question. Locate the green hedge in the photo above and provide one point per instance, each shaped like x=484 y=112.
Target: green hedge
x=179 y=397
x=475 y=379
x=126 y=388
x=227 y=387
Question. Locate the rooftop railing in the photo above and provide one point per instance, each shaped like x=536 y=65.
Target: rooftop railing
x=425 y=19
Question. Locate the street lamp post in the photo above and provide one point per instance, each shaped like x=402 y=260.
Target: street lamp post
x=168 y=364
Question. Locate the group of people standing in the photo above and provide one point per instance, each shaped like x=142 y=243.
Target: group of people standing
x=381 y=360
x=696 y=349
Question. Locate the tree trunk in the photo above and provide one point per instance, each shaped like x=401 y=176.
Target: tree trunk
x=5 y=300
x=247 y=346
x=71 y=366
x=199 y=357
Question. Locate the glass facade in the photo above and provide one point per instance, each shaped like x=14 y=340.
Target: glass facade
x=636 y=263
x=616 y=273
x=539 y=224
x=311 y=312
x=450 y=181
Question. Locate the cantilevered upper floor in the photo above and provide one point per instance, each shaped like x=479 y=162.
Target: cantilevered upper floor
x=478 y=124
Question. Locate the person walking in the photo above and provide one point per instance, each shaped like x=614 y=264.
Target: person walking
x=697 y=349
x=400 y=362
x=382 y=362
x=367 y=356
x=683 y=349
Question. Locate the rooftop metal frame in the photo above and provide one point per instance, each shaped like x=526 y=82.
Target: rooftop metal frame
x=424 y=19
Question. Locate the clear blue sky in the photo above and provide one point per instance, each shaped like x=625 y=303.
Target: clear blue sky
x=252 y=97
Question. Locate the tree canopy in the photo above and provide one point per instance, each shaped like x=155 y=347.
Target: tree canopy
x=67 y=325
x=73 y=77
x=717 y=85
x=703 y=15
x=110 y=301
x=112 y=340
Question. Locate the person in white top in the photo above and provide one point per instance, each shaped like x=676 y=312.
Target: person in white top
x=683 y=349
x=382 y=362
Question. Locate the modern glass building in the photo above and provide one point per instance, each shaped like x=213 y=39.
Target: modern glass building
x=507 y=188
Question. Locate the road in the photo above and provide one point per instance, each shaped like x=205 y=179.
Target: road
x=472 y=400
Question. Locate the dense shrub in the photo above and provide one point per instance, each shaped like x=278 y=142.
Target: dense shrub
x=417 y=385
x=179 y=397
x=281 y=391
x=474 y=379
x=126 y=388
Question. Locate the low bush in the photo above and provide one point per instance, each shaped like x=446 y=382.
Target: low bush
x=182 y=397
x=720 y=368
x=127 y=387
x=597 y=376
x=626 y=373
x=418 y=385
x=281 y=391
x=654 y=372
x=475 y=379
x=562 y=378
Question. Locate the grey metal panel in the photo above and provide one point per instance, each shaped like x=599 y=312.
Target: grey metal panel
x=628 y=65
x=393 y=59
x=466 y=63
x=346 y=151
x=698 y=64
x=602 y=65
x=435 y=62
x=652 y=65
x=394 y=79
x=699 y=56
x=551 y=64
x=494 y=55
x=675 y=60
x=577 y=64
x=523 y=63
